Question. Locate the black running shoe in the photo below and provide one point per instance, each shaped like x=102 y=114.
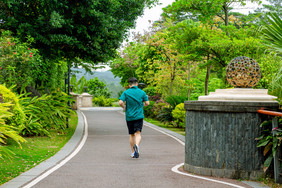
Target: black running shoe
x=136 y=152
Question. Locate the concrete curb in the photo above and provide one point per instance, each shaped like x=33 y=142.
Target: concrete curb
x=69 y=147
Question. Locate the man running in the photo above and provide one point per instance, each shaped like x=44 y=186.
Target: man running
x=133 y=100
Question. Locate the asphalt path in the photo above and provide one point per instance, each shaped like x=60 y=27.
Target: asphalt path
x=104 y=160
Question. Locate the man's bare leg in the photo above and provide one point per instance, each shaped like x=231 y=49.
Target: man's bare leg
x=137 y=138
x=132 y=141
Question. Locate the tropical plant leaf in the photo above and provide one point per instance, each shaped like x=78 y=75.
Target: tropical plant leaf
x=267 y=148
x=273 y=32
x=267 y=163
x=263 y=143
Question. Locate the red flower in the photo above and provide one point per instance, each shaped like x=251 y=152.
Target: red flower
x=0 y=68
x=14 y=52
x=28 y=48
x=14 y=43
x=3 y=55
x=30 y=55
x=9 y=43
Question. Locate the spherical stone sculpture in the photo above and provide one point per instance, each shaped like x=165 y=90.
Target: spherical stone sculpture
x=243 y=72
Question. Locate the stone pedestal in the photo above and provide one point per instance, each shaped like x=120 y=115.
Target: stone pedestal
x=83 y=100
x=241 y=94
x=220 y=133
x=75 y=104
x=86 y=100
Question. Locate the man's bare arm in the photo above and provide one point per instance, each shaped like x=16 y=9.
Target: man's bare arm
x=121 y=103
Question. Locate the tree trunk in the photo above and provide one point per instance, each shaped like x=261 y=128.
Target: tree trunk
x=189 y=77
x=225 y=9
x=207 y=78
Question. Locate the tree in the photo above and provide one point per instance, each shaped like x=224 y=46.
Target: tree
x=80 y=32
x=90 y=30
x=97 y=88
x=206 y=11
x=273 y=6
x=125 y=65
x=259 y=14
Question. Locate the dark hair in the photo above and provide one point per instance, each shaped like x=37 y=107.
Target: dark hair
x=132 y=80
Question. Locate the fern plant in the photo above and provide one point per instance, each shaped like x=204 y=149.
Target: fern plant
x=7 y=131
x=48 y=112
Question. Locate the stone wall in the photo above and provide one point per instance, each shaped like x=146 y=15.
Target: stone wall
x=220 y=138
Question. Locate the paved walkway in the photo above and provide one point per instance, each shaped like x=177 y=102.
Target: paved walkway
x=102 y=159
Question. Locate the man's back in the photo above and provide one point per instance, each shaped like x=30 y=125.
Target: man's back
x=134 y=98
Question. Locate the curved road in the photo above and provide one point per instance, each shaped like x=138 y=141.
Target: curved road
x=104 y=160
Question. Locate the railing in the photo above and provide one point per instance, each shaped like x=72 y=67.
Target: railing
x=277 y=159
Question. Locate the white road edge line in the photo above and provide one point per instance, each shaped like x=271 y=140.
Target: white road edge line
x=178 y=140
x=47 y=173
x=175 y=168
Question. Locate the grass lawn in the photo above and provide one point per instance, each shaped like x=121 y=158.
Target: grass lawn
x=34 y=151
x=166 y=126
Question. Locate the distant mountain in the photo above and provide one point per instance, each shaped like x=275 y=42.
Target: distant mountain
x=112 y=82
x=106 y=76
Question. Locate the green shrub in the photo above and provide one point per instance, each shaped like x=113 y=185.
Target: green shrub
x=9 y=97
x=150 y=91
x=148 y=110
x=7 y=131
x=20 y=66
x=102 y=101
x=49 y=112
x=158 y=106
x=276 y=85
x=179 y=115
x=174 y=100
x=165 y=115
x=97 y=88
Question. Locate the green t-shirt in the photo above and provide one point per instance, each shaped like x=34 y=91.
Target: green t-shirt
x=134 y=98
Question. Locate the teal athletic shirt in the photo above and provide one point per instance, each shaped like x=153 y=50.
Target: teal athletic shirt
x=134 y=98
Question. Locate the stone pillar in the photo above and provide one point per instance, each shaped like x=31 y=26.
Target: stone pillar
x=221 y=131
x=86 y=100
x=74 y=105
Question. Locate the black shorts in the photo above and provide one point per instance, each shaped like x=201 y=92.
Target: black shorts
x=134 y=126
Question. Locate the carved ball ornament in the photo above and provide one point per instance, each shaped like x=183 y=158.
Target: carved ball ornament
x=243 y=72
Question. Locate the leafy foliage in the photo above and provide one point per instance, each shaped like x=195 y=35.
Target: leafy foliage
x=149 y=109
x=19 y=65
x=78 y=86
x=271 y=140
x=179 y=115
x=165 y=115
x=7 y=96
x=97 y=88
x=7 y=131
x=205 y=11
x=276 y=84
x=23 y=68
x=273 y=32
x=175 y=100
x=103 y=101
x=45 y=113
x=91 y=30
